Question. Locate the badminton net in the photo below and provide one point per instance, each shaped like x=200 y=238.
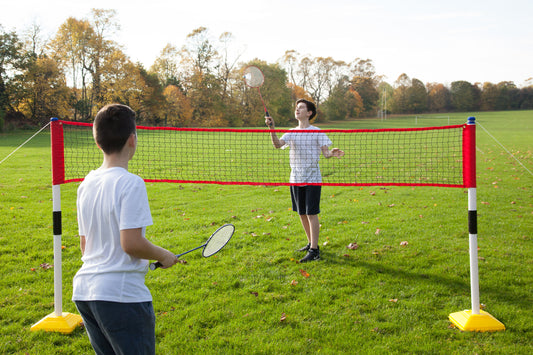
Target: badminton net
x=429 y=156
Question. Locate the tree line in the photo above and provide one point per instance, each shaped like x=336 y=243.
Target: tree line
x=81 y=68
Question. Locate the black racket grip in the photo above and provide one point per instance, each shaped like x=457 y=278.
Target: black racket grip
x=155 y=265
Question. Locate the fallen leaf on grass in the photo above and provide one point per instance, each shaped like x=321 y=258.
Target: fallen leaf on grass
x=294 y=283
x=304 y=273
x=283 y=317
x=378 y=231
x=46 y=266
x=352 y=246
x=404 y=243
x=254 y=293
x=394 y=300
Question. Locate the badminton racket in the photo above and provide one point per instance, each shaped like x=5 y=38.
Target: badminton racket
x=216 y=241
x=254 y=78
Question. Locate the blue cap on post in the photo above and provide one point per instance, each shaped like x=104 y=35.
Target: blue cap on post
x=471 y=120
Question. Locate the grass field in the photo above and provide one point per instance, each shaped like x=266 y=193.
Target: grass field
x=254 y=298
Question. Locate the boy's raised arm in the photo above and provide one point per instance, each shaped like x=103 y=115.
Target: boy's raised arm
x=276 y=142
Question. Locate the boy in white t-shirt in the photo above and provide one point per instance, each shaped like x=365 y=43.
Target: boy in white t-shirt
x=305 y=149
x=113 y=212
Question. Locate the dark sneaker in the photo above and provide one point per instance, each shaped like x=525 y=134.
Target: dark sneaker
x=312 y=254
x=306 y=248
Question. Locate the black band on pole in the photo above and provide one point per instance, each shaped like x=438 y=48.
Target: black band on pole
x=57 y=223
x=472 y=222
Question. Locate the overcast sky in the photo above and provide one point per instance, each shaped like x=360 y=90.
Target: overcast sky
x=433 y=41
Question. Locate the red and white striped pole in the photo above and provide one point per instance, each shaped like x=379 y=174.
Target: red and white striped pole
x=474 y=319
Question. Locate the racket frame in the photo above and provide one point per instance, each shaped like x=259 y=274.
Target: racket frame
x=157 y=264
x=258 y=86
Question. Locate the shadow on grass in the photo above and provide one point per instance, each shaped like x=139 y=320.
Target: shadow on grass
x=455 y=284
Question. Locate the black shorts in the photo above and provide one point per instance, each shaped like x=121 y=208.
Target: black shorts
x=306 y=199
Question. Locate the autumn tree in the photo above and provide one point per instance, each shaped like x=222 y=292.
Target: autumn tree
x=290 y=63
x=386 y=92
x=11 y=62
x=489 y=96
x=438 y=97
x=343 y=103
x=317 y=76
x=104 y=24
x=73 y=52
x=463 y=96
x=526 y=98
x=298 y=92
x=200 y=84
x=508 y=96
x=417 y=97
x=166 y=66
x=45 y=91
x=177 y=110
x=367 y=91
x=400 y=97
x=227 y=63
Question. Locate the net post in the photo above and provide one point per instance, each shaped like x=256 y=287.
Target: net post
x=58 y=321
x=469 y=152
x=474 y=319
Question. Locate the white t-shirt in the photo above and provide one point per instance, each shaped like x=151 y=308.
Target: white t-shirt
x=305 y=154
x=110 y=200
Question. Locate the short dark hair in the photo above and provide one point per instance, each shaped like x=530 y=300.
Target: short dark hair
x=310 y=107
x=113 y=125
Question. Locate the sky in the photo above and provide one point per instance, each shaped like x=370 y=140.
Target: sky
x=433 y=41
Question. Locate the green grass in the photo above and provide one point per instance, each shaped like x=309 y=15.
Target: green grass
x=381 y=298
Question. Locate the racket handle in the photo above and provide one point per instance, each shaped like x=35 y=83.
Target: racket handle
x=155 y=265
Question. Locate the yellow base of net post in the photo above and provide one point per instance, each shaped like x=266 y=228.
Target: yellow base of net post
x=66 y=323
x=483 y=322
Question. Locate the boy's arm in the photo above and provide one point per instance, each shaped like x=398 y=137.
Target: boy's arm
x=276 y=142
x=134 y=244
x=334 y=152
x=82 y=244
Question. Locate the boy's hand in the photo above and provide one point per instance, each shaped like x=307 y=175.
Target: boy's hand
x=269 y=121
x=336 y=152
x=168 y=260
